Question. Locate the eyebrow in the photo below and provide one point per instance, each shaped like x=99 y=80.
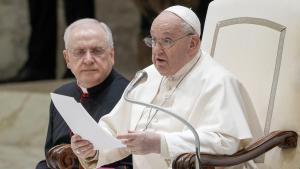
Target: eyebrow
x=169 y=34
x=166 y=34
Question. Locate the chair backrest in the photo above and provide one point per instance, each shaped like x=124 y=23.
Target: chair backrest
x=259 y=41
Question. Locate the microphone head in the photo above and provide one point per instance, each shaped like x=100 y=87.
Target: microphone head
x=141 y=76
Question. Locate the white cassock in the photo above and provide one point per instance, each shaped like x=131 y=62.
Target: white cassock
x=202 y=92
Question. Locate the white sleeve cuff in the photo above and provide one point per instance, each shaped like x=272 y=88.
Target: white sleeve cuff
x=164 y=150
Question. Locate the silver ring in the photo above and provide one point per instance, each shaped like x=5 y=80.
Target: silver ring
x=77 y=152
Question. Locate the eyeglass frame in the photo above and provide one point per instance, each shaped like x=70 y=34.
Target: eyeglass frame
x=91 y=51
x=149 y=41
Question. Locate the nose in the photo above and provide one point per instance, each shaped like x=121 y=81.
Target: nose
x=88 y=58
x=157 y=49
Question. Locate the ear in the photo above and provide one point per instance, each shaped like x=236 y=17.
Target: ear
x=67 y=59
x=194 y=42
x=112 y=55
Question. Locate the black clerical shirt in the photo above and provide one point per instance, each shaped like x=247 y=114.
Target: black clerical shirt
x=99 y=101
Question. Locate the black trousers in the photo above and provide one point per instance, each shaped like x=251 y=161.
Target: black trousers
x=43 y=38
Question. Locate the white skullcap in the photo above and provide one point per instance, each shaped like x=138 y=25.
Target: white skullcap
x=187 y=15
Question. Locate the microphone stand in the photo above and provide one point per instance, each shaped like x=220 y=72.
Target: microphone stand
x=141 y=76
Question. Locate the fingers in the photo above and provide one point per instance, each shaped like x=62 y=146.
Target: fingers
x=90 y=154
x=82 y=148
x=75 y=138
x=129 y=135
x=126 y=136
x=77 y=141
x=86 y=147
x=85 y=151
x=141 y=142
x=132 y=140
x=129 y=138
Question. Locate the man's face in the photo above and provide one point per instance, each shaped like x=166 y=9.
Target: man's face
x=88 y=55
x=168 y=60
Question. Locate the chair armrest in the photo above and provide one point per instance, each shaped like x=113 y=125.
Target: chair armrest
x=61 y=157
x=283 y=139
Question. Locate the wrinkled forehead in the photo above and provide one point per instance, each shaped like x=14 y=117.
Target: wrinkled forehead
x=86 y=29
x=86 y=34
x=166 y=23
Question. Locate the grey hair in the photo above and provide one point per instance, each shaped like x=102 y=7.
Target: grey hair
x=109 y=37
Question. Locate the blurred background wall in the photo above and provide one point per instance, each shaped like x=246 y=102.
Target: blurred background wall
x=14 y=32
x=121 y=16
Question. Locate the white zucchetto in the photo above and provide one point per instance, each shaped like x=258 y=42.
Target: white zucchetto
x=187 y=15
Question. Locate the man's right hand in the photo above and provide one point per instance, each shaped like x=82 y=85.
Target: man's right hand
x=82 y=148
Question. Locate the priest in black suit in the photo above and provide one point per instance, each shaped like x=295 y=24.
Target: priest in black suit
x=89 y=54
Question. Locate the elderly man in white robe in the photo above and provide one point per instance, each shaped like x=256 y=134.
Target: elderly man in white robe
x=186 y=81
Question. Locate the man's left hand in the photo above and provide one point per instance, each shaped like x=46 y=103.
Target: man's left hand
x=141 y=142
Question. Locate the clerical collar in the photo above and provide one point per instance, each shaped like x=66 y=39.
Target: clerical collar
x=185 y=69
x=83 y=89
x=100 y=87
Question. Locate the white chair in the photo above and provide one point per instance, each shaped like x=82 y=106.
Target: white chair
x=259 y=41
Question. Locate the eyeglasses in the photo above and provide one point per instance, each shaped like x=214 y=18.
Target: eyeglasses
x=165 y=42
x=96 y=52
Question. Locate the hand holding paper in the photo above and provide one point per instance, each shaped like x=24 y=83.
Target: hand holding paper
x=82 y=148
x=83 y=124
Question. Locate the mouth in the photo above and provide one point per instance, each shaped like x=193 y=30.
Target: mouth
x=160 y=60
x=88 y=70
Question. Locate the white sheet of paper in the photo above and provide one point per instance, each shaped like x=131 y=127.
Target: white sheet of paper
x=82 y=123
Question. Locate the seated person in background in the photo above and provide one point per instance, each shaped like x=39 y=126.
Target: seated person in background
x=89 y=54
x=186 y=81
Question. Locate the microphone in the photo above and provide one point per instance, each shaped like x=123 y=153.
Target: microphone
x=140 y=77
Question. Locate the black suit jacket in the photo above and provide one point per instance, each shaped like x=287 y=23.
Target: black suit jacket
x=100 y=101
